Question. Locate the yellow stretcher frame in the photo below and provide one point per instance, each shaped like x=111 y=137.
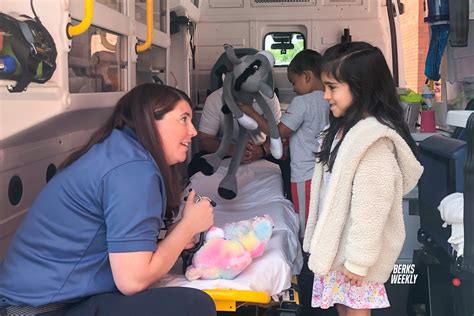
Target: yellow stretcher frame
x=226 y=300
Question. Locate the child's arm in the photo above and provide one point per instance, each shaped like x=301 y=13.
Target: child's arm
x=284 y=131
x=373 y=194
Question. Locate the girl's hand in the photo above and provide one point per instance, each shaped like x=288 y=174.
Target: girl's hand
x=354 y=279
x=198 y=216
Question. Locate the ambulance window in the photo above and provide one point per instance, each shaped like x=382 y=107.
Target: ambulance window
x=159 y=13
x=117 y=5
x=97 y=62
x=284 y=46
x=151 y=66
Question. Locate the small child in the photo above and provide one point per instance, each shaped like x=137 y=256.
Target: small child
x=303 y=121
x=365 y=165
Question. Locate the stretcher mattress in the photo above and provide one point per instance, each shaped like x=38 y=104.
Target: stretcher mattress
x=260 y=192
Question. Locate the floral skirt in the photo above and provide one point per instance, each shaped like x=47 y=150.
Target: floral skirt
x=331 y=289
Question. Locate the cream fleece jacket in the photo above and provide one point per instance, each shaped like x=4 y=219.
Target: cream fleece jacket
x=360 y=224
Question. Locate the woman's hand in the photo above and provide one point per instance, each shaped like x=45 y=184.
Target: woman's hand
x=353 y=278
x=198 y=216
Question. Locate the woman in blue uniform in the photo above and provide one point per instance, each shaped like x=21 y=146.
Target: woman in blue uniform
x=89 y=240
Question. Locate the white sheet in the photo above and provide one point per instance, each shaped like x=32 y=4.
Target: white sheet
x=451 y=209
x=260 y=192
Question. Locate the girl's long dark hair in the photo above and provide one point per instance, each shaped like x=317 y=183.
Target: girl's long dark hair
x=139 y=109
x=363 y=67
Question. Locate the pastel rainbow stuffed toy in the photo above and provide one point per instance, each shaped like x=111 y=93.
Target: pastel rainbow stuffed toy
x=227 y=252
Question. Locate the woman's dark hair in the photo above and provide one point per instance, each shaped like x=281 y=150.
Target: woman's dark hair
x=138 y=109
x=363 y=67
x=307 y=59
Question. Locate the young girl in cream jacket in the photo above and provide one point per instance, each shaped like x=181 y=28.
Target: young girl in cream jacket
x=365 y=165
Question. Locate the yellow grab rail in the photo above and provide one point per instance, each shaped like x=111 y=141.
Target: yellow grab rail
x=149 y=28
x=74 y=30
x=226 y=300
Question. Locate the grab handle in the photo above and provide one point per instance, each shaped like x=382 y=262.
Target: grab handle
x=74 y=30
x=149 y=28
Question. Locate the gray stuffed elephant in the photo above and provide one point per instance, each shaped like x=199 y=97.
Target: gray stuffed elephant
x=245 y=83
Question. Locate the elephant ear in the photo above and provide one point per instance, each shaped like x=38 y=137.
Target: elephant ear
x=269 y=56
x=266 y=90
x=229 y=51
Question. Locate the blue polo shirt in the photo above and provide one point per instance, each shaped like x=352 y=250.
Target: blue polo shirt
x=109 y=200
